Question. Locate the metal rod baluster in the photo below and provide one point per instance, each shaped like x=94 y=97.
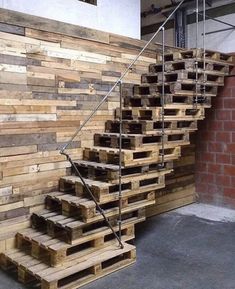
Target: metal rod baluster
x=163 y=97
x=62 y=151
x=204 y=50
x=120 y=163
x=93 y=197
x=196 y=62
x=121 y=78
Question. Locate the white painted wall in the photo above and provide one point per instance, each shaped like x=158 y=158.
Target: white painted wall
x=222 y=41
x=120 y=17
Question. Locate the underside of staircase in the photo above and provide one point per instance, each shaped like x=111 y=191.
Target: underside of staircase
x=69 y=244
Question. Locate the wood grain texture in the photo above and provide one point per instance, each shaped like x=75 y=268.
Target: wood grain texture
x=52 y=75
x=19 y=19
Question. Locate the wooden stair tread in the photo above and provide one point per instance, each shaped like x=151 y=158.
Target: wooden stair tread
x=54 y=244
x=111 y=212
x=102 y=255
x=75 y=179
x=45 y=272
x=200 y=70
x=31 y=233
x=75 y=200
x=116 y=150
x=167 y=106
x=73 y=222
x=128 y=135
x=208 y=60
x=97 y=165
x=47 y=213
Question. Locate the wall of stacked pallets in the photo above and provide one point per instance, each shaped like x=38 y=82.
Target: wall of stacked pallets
x=51 y=76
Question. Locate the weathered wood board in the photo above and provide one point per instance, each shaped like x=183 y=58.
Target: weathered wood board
x=52 y=75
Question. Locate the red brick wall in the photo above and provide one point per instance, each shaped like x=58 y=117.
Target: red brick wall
x=215 y=149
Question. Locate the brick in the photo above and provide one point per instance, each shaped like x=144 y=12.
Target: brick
x=229 y=82
x=229 y=192
x=229 y=202
x=229 y=170
x=208 y=135
x=201 y=146
x=224 y=92
x=233 y=115
x=231 y=148
x=215 y=189
x=223 y=137
x=215 y=147
x=233 y=181
x=201 y=167
x=218 y=102
x=215 y=169
x=223 y=180
x=208 y=157
x=232 y=91
x=223 y=158
x=206 y=178
x=223 y=115
x=201 y=188
x=229 y=125
x=229 y=102
x=215 y=125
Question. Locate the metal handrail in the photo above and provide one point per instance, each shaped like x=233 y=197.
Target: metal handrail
x=120 y=79
x=118 y=82
x=163 y=97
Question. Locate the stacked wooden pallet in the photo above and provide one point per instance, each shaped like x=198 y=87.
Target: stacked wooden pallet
x=52 y=74
x=69 y=243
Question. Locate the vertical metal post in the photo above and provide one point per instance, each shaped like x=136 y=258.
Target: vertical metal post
x=197 y=46
x=204 y=49
x=180 y=28
x=163 y=96
x=120 y=163
x=197 y=21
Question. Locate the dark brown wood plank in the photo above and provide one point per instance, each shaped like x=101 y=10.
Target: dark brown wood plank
x=27 y=139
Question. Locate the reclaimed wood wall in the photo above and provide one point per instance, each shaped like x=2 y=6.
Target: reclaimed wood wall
x=52 y=75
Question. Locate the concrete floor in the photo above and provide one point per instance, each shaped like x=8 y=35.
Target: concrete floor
x=176 y=250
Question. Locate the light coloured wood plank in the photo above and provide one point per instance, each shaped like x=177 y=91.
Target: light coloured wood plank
x=27 y=117
x=31 y=102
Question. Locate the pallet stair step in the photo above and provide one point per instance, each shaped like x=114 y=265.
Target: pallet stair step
x=96 y=264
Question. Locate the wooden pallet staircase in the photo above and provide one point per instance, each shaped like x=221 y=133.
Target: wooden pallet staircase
x=69 y=243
